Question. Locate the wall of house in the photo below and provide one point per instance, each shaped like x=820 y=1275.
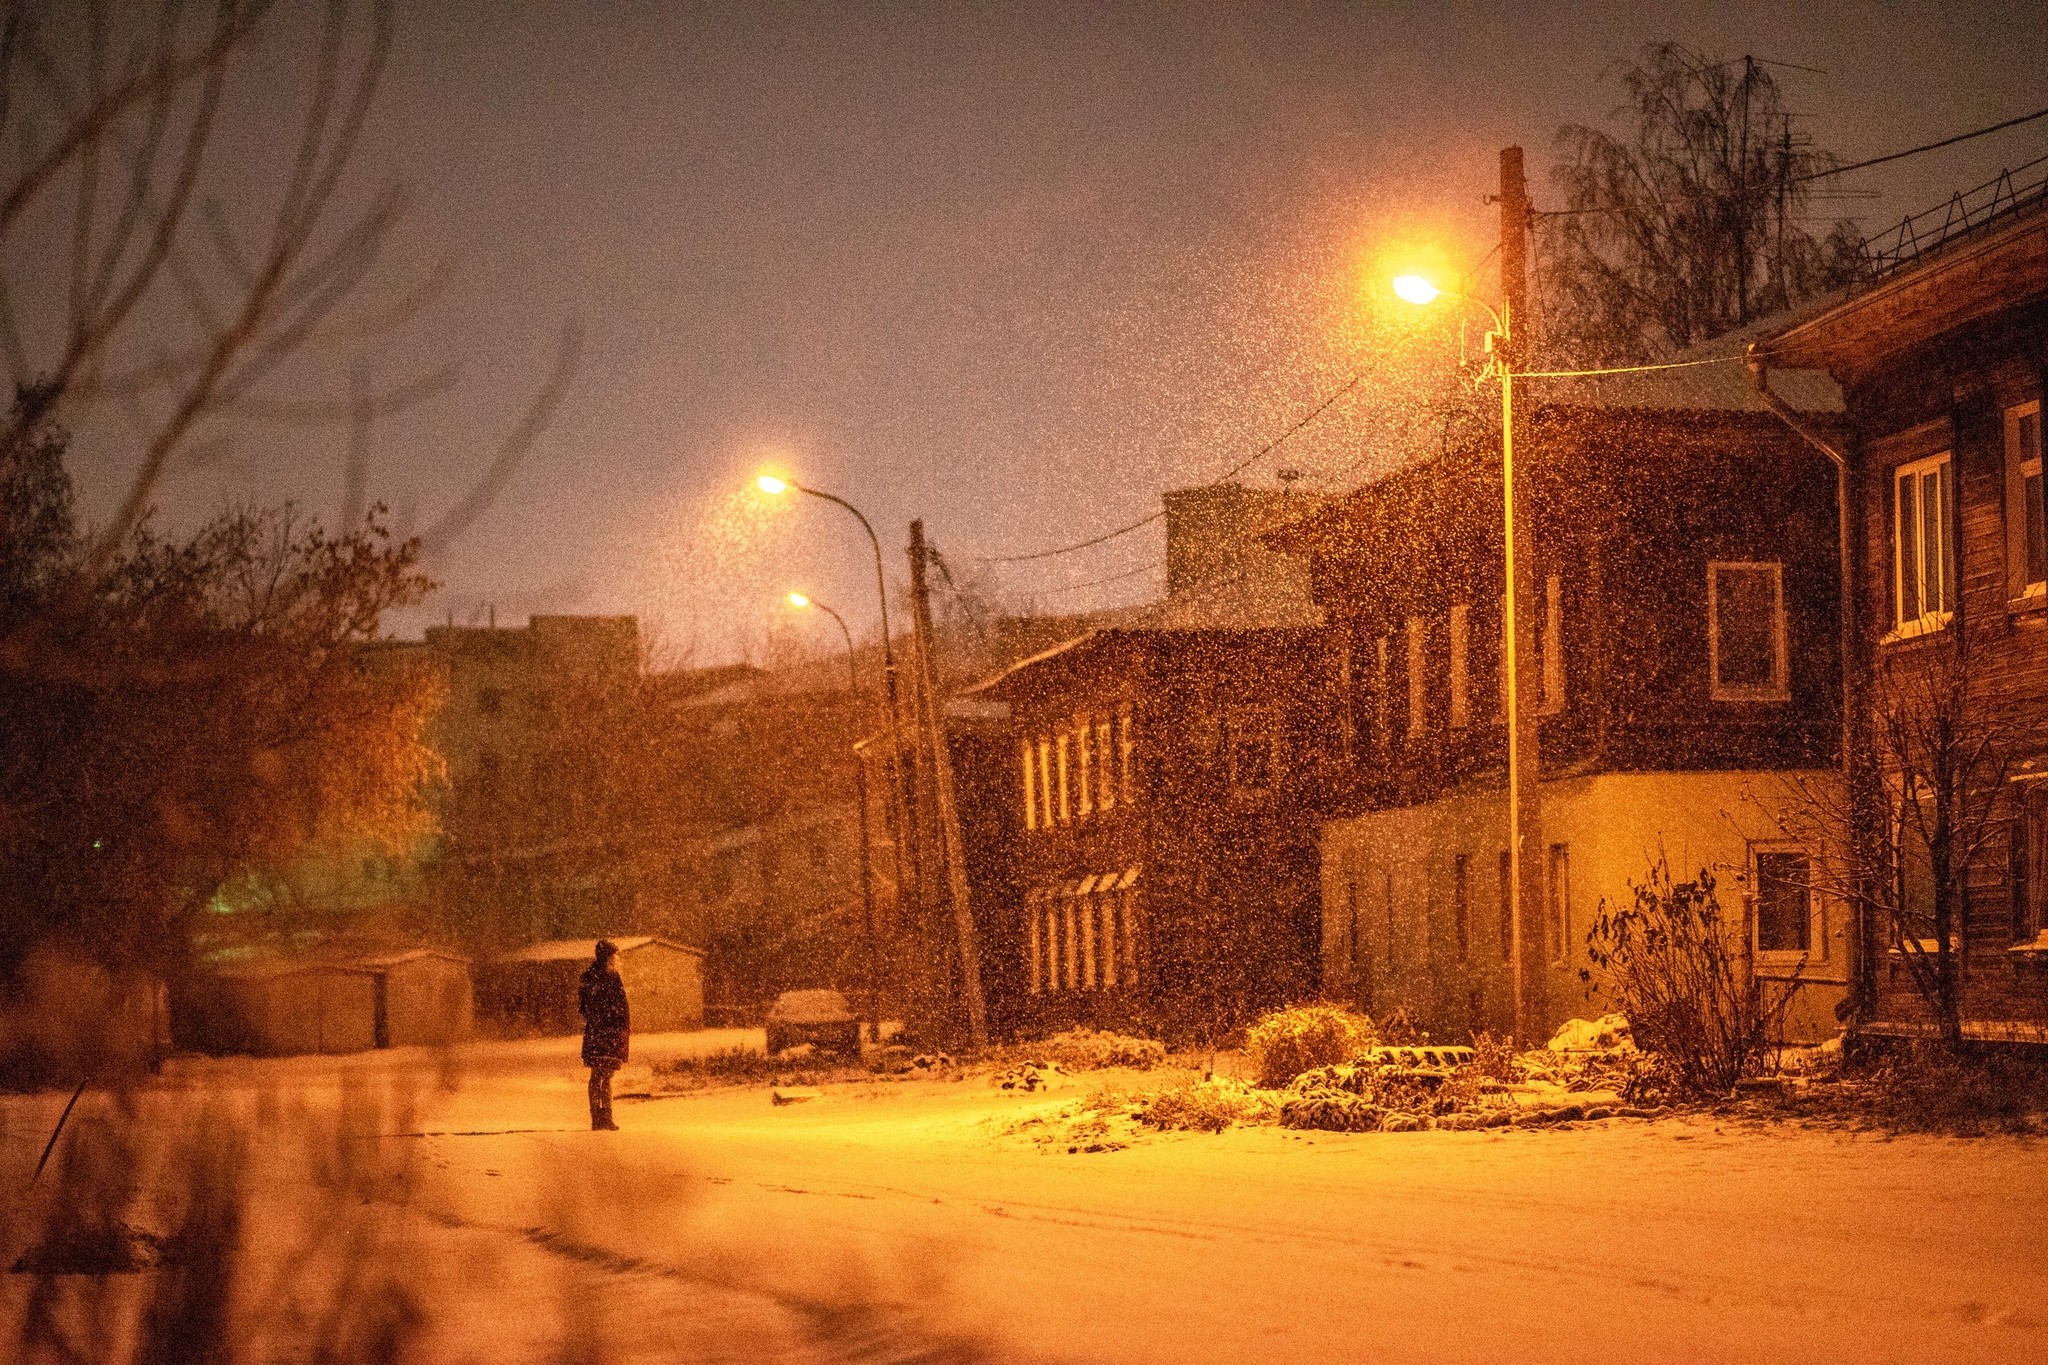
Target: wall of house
x=427 y=1003
x=1952 y=394
x=1397 y=934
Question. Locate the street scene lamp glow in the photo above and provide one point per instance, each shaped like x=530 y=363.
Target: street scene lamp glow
x=1415 y=289
x=798 y=600
x=771 y=485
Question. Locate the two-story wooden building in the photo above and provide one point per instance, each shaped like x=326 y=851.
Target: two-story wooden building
x=1684 y=565
x=1166 y=862
x=1941 y=358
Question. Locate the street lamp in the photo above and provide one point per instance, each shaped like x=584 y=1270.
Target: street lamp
x=775 y=486
x=800 y=602
x=1524 y=803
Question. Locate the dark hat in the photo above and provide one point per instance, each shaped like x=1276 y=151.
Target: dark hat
x=606 y=948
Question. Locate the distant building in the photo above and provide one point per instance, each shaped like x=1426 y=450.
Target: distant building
x=1220 y=573
x=1941 y=358
x=1688 y=675
x=291 y=1007
x=1164 y=866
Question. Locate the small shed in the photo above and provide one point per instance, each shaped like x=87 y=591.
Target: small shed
x=288 y=1009
x=533 y=989
x=423 y=998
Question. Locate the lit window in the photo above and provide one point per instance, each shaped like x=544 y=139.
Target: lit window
x=1553 y=645
x=1922 y=556
x=1030 y=785
x=1045 y=819
x=1066 y=806
x=1784 y=902
x=1105 y=783
x=2026 y=518
x=1418 y=676
x=1746 y=657
x=1125 y=743
x=1383 y=649
x=1461 y=705
x=1084 y=740
x=1035 y=911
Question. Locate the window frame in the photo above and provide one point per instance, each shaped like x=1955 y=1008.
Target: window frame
x=1779 y=688
x=1252 y=724
x=1816 y=937
x=2022 y=589
x=1925 y=622
x=1417 y=637
x=1459 y=629
x=1550 y=648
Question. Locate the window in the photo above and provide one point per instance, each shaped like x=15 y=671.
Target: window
x=1746 y=631
x=1461 y=904
x=1105 y=784
x=1418 y=677
x=1461 y=702
x=1248 y=739
x=1124 y=782
x=1553 y=645
x=1347 y=695
x=1045 y=819
x=1084 y=740
x=1560 y=892
x=1784 y=901
x=491 y=700
x=1382 y=730
x=1035 y=912
x=1507 y=905
x=2030 y=864
x=1922 y=557
x=1066 y=807
x=1030 y=785
x=2026 y=514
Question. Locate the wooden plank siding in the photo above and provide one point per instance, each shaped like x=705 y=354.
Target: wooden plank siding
x=1950 y=393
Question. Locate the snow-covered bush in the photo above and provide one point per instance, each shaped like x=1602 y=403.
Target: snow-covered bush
x=1209 y=1106
x=1086 y=1049
x=1299 y=1038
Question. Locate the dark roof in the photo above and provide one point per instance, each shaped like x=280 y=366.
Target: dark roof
x=572 y=949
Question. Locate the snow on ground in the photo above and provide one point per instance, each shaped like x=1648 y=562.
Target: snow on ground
x=920 y=1220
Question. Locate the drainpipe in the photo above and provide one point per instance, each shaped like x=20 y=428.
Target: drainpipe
x=1862 y=983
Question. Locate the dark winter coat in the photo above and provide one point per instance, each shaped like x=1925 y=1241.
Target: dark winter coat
x=606 y=1024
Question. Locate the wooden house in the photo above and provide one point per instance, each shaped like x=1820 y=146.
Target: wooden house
x=1683 y=562
x=1941 y=358
x=1164 y=864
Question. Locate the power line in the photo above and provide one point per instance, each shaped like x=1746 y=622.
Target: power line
x=1098 y=582
x=1231 y=473
x=1810 y=176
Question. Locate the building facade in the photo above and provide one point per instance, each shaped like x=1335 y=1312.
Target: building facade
x=1941 y=358
x=1683 y=562
x=1165 y=862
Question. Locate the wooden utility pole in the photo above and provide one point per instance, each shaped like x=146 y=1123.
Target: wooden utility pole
x=952 y=845
x=1523 y=674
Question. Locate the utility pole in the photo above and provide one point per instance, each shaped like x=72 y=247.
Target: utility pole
x=942 y=793
x=1522 y=674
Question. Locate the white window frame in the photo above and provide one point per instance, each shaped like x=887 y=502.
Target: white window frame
x=1030 y=756
x=1084 y=740
x=1816 y=928
x=1779 y=688
x=1062 y=747
x=1105 y=779
x=2020 y=465
x=1926 y=621
x=1126 y=757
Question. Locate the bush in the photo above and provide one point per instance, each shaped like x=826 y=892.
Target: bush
x=1300 y=1038
x=1209 y=1107
x=1494 y=1058
x=1671 y=968
x=1929 y=1089
x=1086 y=1049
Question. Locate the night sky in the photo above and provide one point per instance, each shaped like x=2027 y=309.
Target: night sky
x=1011 y=269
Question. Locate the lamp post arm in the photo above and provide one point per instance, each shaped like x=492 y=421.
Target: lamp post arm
x=881 y=583
x=852 y=676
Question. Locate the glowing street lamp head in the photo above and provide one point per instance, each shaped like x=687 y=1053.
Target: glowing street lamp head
x=1415 y=289
x=771 y=485
x=798 y=600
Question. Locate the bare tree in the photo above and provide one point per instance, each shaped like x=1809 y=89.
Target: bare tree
x=191 y=272
x=1686 y=225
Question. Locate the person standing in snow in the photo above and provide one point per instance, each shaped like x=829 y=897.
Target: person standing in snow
x=606 y=1028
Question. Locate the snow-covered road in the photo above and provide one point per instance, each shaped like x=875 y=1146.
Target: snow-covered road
x=885 y=1221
